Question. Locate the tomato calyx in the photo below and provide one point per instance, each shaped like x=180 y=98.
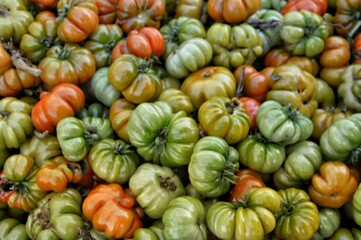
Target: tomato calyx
x=167 y=183
x=4 y=114
x=4 y=10
x=232 y=105
x=123 y=149
x=287 y=210
x=162 y=137
x=229 y=173
x=91 y=136
x=63 y=13
x=63 y=53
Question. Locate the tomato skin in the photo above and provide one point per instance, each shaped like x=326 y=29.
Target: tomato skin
x=107 y=10
x=63 y=101
x=316 y=6
x=336 y=53
x=251 y=105
x=357 y=49
x=246 y=179
x=12 y=228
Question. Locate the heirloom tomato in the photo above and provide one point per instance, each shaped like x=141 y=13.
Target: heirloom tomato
x=212 y=166
x=273 y=4
x=333 y=185
x=325 y=95
x=346 y=233
x=357 y=49
x=70 y=63
x=356 y=205
x=12 y=228
x=316 y=6
x=15 y=121
x=136 y=14
x=332 y=75
x=341 y=141
x=350 y=87
x=347 y=17
x=330 y=221
x=260 y=154
x=226 y=118
x=191 y=8
x=232 y=11
x=303 y=159
x=77 y=19
x=177 y=99
x=298 y=217
x=249 y=218
x=246 y=179
x=184 y=219
x=64 y=100
x=281 y=124
x=113 y=160
x=179 y=30
x=251 y=105
x=135 y=79
x=336 y=53
x=107 y=11
x=234 y=45
x=154 y=187
x=14 y=20
x=111 y=210
x=190 y=56
x=162 y=136
x=209 y=82
x=44 y=4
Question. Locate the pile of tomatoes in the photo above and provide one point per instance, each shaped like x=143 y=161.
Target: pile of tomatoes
x=180 y=119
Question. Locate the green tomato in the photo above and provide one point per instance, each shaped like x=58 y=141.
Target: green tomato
x=154 y=187
x=330 y=220
x=350 y=87
x=281 y=124
x=102 y=41
x=251 y=218
x=298 y=217
x=161 y=136
x=185 y=219
x=304 y=33
x=356 y=205
x=213 y=166
x=57 y=216
x=113 y=160
x=342 y=139
x=11 y=228
x=190 y=56
x=144 y=233
x=302 y=161
x=273 y=4
x=234 y=46
x=179 y=30
x=177 y=99
x=95 y=109
x=260 y=154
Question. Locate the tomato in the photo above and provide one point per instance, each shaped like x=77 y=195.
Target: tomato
x=113 y=160
x=12 y=228
x=101 y=43
x=67 y=64
x=316 y=6
x=212 y=166
x=325 y=95
x=154 y=187
x=60 y=216
x=251 y=105
x=189 y=57
x=336 y=53
x=191 y=8
x=298 y=217
x=345 y=233
x=356 y=206
x=107 y=11
x=184 y=219
x=247 y=179
x=281 y=124
x=349 y=89
x=290 y=85
x=111 y=210
x=209 y=82
x=6 y=62
x=304 y=33
x=252 y=83
x=119 y=114
x=56 y=174
x=15 y=20
x=77 y=19
x=179 y=30
x=232 y=11
x=333 y=185
x=303 y=159
x=251 y=218
x=62 y=101
x=261 y=155
x=357 y=49
x=134 y=15
x=273 y=4
x=330 y=221
x=234 y=45
x=177 y=99
x=333 y=76
x=347 y=16
x=15 y=120
x=226 y=118
x=135 y=78
x=162 y=136
x=341 y=140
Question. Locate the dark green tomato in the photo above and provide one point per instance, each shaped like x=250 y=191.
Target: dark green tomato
x=11 y=228
x=213 y=166
x=102 y=41
x=330 y=220
x=179 y=30
x=346 y=234
x=260 y=154
x=154 y=187
x=94 y=110
x=113 y=160
x=161 y=136
x=281 y=124
x=57 y=216
x=342 y=139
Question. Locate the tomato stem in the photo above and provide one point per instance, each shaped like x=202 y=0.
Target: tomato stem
x=123 y=149
x=63 y=13
x=162 y=137
x=62 y=53
x=4 y=10
x=4 y=113
x=229 y=172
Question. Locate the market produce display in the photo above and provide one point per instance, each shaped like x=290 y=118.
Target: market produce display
x=180 y=119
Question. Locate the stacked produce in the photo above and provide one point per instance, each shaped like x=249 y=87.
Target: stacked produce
x=180 y=119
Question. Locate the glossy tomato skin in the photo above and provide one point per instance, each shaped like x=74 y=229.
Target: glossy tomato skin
x=316 y=6
x=349 y=88
x=251 y=105
x=12 y=228
x=107 y=11
x=246 y=179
